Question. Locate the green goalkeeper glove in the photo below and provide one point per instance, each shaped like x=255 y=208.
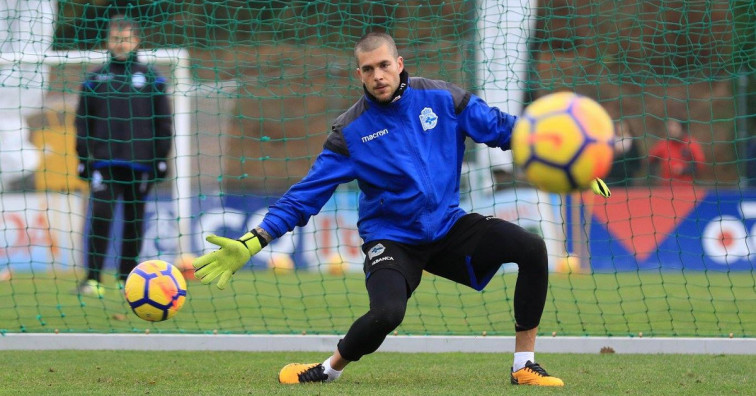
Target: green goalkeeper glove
x=599 y=188
x=231 y=256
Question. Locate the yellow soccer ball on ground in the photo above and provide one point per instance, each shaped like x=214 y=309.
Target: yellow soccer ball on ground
x=563 y=141
x=155 y=290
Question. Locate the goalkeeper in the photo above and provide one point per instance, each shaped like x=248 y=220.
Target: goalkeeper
x=403 y=142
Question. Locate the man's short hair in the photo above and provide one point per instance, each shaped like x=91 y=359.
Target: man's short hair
x=683 y=123
x=373 y=41
x=122 y=22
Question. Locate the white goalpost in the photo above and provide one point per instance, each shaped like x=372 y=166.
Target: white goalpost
x=181 y=86
x=501 y=85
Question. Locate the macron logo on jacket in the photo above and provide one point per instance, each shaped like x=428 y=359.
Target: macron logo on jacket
x=375 y=135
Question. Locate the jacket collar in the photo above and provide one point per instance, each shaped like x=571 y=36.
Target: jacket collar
x=123 y=64
x=403 y=84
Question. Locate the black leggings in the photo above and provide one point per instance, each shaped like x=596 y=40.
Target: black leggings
x=500 y=242
x=388 y=293
x=131 y=188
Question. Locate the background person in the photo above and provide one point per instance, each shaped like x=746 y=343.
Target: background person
x=124 y=133
x=627 y=161
x=678 y=158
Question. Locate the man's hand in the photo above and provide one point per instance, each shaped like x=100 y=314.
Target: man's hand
x=599 y=188
x=161 y=170
x=231 y=256
x=84 y=170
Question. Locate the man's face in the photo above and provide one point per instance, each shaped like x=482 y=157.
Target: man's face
x=122 y=42
x=674 y=130
x=379 y=71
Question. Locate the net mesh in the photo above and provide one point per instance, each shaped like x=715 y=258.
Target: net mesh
x=255 y=86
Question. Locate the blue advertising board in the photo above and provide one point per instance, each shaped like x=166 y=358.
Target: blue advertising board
x=329 y=237
x=639 y=228
x=664 y=228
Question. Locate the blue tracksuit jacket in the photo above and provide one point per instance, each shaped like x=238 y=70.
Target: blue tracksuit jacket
x=406 y=157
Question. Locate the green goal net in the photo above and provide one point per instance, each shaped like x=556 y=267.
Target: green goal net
x=254 y=87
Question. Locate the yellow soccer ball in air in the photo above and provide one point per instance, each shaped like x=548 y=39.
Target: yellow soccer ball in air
x=563 y=141
x=155 y=290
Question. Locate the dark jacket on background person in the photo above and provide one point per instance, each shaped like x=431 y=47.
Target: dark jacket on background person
x=124 y=117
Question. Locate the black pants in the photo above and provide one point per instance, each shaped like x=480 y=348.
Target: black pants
x=107 y=187
x=470 y=254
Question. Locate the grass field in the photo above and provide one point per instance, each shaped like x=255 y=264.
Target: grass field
x=238 y=373
x=655 y=304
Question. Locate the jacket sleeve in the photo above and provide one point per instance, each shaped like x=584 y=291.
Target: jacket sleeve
x=163 y=118
x=81 y=122
x=655 y=153
x=305 y=198
x=698 y=155
x=486 y=124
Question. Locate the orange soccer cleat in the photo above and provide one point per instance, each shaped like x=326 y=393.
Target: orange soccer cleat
x=298 y=373
x=534 y=374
